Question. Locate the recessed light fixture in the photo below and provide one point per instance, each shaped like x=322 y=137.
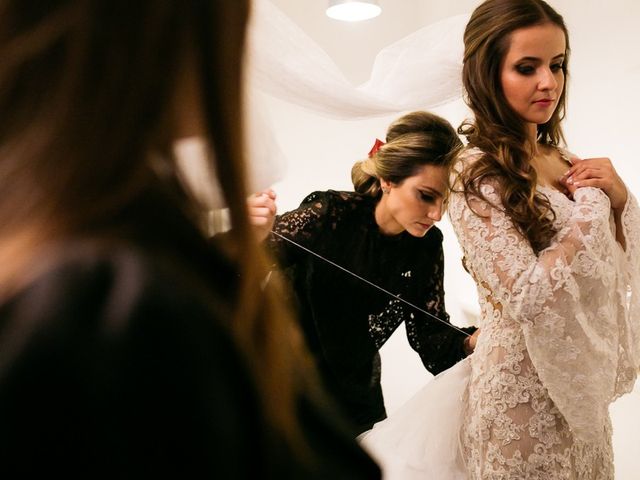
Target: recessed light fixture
x=353 y=10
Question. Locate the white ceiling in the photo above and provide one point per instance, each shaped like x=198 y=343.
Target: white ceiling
x=353 y=46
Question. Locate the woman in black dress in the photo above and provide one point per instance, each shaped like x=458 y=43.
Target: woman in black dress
x=129 y=346
x=385 y=233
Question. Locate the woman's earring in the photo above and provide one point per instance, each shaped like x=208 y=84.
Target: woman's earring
x=385 y=189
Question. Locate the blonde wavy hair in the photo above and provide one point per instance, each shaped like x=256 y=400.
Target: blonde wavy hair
x=412 y=141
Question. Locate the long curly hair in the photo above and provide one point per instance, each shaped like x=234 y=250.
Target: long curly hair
x=497 y=130
x=413 y=141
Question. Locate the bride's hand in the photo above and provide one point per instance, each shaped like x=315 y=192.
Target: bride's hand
x=597 y=172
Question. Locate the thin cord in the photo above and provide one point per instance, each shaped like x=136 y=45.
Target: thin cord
x=370 y=283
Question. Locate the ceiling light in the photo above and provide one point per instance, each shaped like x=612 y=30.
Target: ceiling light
x=353 y=10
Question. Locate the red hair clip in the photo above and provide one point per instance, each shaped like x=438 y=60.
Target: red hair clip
x=376 y=147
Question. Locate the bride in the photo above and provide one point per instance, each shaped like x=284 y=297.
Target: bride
x=547 y=238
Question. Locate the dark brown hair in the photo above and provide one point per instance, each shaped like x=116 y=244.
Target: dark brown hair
x=496 y=129
x=414 y=140
x=87 y=90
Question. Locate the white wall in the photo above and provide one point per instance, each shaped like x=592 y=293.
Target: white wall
x=604 y=103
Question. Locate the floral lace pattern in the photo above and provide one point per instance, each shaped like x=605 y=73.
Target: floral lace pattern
x=560 y=336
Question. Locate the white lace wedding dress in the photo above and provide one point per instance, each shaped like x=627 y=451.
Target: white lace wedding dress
x=560 y=340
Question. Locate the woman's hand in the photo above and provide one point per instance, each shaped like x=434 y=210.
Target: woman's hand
x=597 y=172
x=470 y=342
x=262 y=212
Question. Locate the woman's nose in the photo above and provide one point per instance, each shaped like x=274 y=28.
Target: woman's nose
x=548 y=80
x=435 y=213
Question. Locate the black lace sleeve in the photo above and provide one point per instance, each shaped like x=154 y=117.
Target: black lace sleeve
x=301 y=225
x=438 y=345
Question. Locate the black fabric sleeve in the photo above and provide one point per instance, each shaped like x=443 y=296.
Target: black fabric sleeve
x=301 y=225
x=439 y=345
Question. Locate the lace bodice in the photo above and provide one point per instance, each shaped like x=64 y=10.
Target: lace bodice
x=559 y=339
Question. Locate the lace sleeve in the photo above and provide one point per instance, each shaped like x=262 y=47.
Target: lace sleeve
x=438 y=345
x=630 y=297
x=564 y=298
x=301 y=225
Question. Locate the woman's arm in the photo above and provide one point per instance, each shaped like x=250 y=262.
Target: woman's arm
x=302 y=225
x=439 y=345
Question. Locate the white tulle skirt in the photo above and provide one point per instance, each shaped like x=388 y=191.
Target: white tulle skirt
x=422 y=439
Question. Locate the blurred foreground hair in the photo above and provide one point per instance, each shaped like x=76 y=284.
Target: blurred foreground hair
x=87 y=105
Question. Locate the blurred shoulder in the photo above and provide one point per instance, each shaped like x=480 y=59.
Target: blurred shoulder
x=113 y=284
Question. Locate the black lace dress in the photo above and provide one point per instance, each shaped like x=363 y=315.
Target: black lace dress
x=346 y=320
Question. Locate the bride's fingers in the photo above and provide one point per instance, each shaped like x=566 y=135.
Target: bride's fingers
x=582 y=166
x=599 y=173
x=603 y=173
x=605 y=182
x=587 y=173
x=571 y=173
x=599 y=163
x=600 y=183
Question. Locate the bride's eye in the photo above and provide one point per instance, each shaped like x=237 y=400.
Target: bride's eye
x=525 y=69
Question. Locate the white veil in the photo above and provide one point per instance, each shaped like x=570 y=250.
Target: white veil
x=420 y=71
